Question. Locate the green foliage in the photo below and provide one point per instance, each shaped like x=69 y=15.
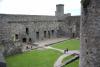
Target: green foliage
x=35 y=58
x=72 y=44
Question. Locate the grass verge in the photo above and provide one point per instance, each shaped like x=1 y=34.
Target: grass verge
x=35 y=58
x=72 y=44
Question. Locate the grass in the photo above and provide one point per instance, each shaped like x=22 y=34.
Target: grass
x=43 y=58
x=67 y=58
x=72 y=44
x=73 y=64
x=35 y=58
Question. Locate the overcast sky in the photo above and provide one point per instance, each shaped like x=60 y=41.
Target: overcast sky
x=38 y=7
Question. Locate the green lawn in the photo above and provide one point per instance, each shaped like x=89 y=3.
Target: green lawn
x=72 y=44
x=73 y=64
x=35 y=58
x=43 y=58
x=67 y=58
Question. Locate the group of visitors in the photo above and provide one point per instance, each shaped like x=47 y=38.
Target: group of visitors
x=66 y=50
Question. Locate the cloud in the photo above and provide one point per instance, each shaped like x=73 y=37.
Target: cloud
x=36 y=7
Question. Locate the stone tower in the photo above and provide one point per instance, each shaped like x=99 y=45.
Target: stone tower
x=90 y=34
x=59 y=13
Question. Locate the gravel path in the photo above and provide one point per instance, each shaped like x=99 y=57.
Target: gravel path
x=58 y=63
x=49 y=41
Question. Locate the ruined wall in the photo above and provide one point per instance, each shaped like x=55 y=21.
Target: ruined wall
x=71 y=26
x=17 y=24
x=34 y=27
x=27 y=29
x=90 y=34
x=48 y=25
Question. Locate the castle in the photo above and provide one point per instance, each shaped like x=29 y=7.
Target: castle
x=22 y=29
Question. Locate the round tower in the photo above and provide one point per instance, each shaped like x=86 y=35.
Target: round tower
x=59 y=10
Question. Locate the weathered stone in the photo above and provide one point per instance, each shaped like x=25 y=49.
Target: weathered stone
x=2 y=60
x=90 y=34
x=20 y=30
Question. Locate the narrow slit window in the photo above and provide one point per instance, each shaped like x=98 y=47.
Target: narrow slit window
x=45 y=34
x=27 y=31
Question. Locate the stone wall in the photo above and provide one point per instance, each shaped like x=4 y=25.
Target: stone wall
x=19 y=28
x=31 y=28
x=71 y=26
x=90 y=34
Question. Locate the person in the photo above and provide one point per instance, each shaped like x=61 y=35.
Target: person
x=66 y=50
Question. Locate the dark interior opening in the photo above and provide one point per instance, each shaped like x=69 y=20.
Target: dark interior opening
x=48 y=34
x=16 y=36
x=24 y=39
x=73 y=35
x=52 y=32
x=27 y=31
x=30 y=40
x=45 y=34
x=37 y=35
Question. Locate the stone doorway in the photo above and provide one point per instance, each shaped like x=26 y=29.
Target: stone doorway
x=37 y=35
x=45 y=34
x=48 y=34
x=73 y=35
x=24 y=40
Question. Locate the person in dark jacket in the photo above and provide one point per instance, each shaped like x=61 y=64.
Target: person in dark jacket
x=66 y=50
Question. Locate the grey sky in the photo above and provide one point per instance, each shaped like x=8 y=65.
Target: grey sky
x=38 y=7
